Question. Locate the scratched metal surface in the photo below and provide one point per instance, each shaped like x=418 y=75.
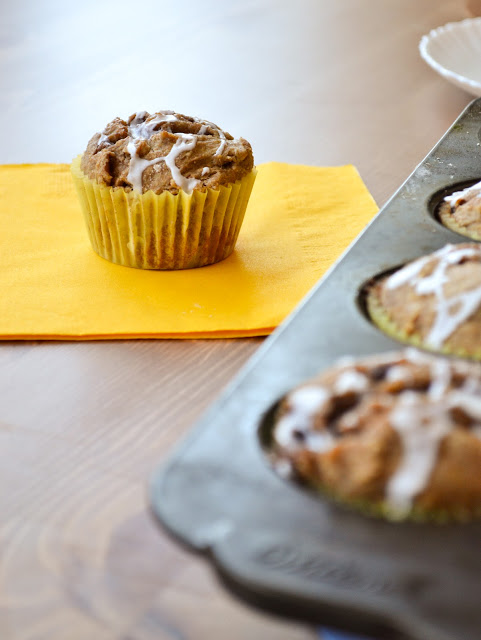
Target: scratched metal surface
x=278 y=546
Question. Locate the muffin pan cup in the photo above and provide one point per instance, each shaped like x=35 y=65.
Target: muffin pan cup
x=278 y=545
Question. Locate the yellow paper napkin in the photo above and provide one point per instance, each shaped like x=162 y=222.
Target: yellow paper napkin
x=299 y=220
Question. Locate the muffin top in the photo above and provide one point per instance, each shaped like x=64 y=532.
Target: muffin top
x=461 y=211
x=469 y=196
x=436 y=297
x=402 y=429
x=165 y=151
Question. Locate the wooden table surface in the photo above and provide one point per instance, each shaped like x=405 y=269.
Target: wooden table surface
x=83 y=424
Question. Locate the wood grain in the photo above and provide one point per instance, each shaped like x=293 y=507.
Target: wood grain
x=80 y=553
x=82 y=425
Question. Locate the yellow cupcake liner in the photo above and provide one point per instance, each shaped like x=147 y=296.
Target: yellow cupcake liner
x=382 y=320
x=381 y=509
x=165 y=231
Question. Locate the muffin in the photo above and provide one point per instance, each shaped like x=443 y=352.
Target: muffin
x=164 y=191
x=433 y=302
x=461 y=212
x=397 y=435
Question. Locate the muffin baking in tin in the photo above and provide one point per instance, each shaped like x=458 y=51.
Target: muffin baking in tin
x=433 y=302
x=460 y=211
x=397 y=435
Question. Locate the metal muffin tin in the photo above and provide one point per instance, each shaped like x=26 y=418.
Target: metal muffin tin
x=281 y=547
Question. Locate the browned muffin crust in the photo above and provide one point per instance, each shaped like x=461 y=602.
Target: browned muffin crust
x=209 y=157
x=400 y=431
x=435 y=299
x=461 y=211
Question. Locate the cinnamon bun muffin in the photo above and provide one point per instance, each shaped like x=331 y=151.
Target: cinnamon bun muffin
x=397 y=435
x=433 y=302
x=461 y=212
x=164 y=191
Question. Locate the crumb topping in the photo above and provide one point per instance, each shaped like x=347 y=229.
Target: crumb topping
x=385 y=427
x=461 y=211
x=437 y=297
x=166 y=151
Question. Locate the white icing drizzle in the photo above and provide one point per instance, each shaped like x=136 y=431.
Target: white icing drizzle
x=137 y=166
x=223 y=140
x=422 y=423
x=398 y=373
x=320 y=441
x=185 y=142
x=450 y=312
x=421 y=427
x=303 y=404
x=103 y=138
x=406 y=274
x=459 y=197
x=222 y=144
x=416 y=357
x=421 y=419
x=468 y=402
x=349 y=420
x=440 y=379
x=351 y=381
x=142 y=128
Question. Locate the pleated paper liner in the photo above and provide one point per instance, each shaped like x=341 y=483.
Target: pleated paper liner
x=382 y=320
x=300 y=471
x=166 y=231
x=381 y=509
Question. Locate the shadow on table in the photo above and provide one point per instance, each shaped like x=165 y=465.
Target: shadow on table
x=328 y=634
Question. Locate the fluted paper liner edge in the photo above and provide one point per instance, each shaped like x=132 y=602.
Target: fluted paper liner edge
x=165 y=231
